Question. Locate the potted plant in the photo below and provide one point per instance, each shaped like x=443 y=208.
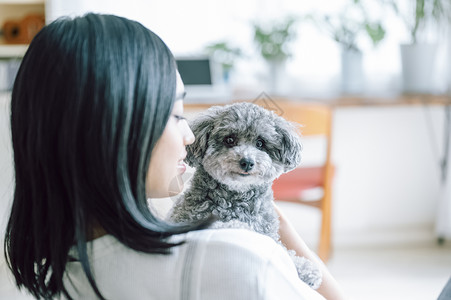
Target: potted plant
x=273 y=40
x=421 y=17
x=348 y=29
x=224 y=54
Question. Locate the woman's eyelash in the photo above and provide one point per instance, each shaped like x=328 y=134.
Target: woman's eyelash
x=178 y=117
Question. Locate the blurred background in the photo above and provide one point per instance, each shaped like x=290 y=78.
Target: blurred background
x=383 y=68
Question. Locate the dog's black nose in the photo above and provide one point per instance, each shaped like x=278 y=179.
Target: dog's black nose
x=246 y=164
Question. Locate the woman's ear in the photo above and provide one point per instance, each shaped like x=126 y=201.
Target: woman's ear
x=201 y=127
x=290 y=147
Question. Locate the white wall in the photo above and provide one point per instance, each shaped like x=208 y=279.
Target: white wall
x=387 y=166
x=7 y=286
x=6 y=164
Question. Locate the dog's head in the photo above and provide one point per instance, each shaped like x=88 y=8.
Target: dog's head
x=243 y=144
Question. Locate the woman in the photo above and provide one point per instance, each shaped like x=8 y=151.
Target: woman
x=97 y=128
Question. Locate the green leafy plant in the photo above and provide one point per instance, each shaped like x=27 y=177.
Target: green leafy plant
x=224 y=53
x=273 y=38
x=418 y=14
x=350 y=25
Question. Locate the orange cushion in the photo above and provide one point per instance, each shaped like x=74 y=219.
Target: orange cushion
x=289 y=186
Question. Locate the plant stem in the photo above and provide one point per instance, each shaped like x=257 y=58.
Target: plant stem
x=419 y=17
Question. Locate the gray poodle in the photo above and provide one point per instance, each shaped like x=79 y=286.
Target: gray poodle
x=238 y=152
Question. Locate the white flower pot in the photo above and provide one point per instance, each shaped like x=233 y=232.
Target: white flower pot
x=351 y=71
x=275 y=78
x=418 y=66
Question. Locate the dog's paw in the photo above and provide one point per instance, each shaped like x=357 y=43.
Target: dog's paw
x=308 y=271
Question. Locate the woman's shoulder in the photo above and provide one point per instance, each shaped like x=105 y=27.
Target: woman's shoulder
x=228 y=240
x=232 y=239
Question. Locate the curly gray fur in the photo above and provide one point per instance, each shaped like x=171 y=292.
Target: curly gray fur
x=241 y=196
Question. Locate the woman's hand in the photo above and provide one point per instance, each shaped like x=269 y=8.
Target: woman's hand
x=291 y=239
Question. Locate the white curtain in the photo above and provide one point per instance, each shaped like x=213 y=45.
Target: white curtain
x=443 y=225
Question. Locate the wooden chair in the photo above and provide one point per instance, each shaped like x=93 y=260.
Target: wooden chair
x=316 y=120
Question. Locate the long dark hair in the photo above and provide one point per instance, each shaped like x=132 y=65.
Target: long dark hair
x=91 y=98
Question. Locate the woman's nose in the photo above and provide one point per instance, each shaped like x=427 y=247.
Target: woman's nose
x=189 y=136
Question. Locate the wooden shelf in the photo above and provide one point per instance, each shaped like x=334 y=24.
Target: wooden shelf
x=21 y=2
x=12 y=51
x=399 y=100
x=356 y=101
x=17 y=10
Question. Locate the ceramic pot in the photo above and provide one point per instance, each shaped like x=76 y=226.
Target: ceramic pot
x=418 y=66
x=351 y=71
x=275 y=77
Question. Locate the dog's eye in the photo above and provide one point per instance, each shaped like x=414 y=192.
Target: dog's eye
x=230 y=141
x=259 y=144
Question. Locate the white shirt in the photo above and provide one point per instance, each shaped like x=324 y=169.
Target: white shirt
x=217 y=264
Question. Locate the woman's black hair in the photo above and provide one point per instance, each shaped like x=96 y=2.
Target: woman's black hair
x=91 y=98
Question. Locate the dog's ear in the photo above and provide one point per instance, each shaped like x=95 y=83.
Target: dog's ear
x=201 y=127
x=290 y=150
